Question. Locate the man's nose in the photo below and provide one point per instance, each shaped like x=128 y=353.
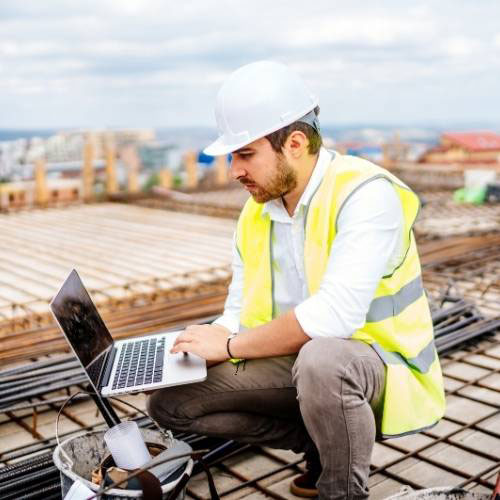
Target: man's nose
x=236 y=169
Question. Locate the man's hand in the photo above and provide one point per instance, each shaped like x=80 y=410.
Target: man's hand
x=207 y=341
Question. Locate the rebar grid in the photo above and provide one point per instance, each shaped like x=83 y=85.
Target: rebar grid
x=484 y=348
x=119 y=249
x=387 y=470
x=142 y=314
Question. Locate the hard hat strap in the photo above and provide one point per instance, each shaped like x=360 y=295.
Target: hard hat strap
x=311 y=119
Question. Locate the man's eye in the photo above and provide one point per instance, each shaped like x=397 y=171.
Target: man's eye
x=246 y=155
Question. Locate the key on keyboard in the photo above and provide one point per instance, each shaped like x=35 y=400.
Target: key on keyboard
x=140 y=363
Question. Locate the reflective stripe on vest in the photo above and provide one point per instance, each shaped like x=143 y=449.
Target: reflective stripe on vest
x=398 y=323
x=391 y=305
x=422 y=362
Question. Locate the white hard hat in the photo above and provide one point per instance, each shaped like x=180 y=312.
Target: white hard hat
x=256 y=100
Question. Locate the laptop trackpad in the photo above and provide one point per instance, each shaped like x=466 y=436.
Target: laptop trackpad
x=185 y=368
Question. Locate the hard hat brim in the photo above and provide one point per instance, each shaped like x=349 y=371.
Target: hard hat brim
x=219 y=148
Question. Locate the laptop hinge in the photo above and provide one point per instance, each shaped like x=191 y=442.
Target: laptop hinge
x=108 y=366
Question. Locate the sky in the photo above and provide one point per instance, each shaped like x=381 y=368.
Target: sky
x=159 y=63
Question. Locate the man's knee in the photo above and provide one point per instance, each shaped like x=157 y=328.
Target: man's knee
x=154 y=406
x=319 y=358
x=321 y=365
x=311 y=373
x=162 y=405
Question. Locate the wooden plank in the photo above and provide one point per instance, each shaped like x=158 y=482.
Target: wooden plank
x=465 y=410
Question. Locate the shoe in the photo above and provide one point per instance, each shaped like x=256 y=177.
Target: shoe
x=305 y=485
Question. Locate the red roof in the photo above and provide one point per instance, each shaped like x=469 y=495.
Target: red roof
x=476 y=141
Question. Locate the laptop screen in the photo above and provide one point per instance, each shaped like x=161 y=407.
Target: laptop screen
x=82 y=324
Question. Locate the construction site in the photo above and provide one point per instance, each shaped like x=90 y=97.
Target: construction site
x=143 y=256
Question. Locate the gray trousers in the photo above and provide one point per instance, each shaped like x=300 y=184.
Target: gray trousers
x=326 y=398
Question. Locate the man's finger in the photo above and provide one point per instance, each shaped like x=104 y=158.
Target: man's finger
x=182 y=347
x=183 y=337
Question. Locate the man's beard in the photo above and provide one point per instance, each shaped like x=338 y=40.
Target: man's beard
x=283 y=181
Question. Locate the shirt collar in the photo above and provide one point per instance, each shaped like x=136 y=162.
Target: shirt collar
x=277 y=210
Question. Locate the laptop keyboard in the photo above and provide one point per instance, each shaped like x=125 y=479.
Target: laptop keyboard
x=140 y=363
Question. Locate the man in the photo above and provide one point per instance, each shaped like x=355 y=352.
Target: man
x=326 y=298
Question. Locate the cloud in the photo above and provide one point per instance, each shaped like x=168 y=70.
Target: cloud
x=361 y=30
x=15 y=49
x=461 y=46
x=164 y=59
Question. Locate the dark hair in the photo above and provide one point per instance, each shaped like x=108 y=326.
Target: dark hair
x=278 y=138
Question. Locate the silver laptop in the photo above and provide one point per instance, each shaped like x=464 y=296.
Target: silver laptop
x=123 y=366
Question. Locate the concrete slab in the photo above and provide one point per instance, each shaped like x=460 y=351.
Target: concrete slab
x=451 y=384
x=490 y=424
x=251 y=465
x=487 y=395
x=494 y=351
x=486 y=361
x=464 y=371
x=12 y=436
x=443 y=428
x=48 y=430
x=478 y=441
x=223 y=481
x=411 y=442
x=492 y=381
x=465 y=410
x=287 y=455
x=481 y=489
x=465 y=462
x=405 y=464
x=383 y=455
x=281 y=488
x=259 y=496
x=90 y=416
x=382 y=487
x=427 y=475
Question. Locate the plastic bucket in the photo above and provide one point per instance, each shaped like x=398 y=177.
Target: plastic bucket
x=77 y=456
x=442 y=493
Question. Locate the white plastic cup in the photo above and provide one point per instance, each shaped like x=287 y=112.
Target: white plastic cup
x=127 y=446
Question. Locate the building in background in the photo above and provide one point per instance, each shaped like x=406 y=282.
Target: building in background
x=465 y=148
x=22 y=194
x=63 y=150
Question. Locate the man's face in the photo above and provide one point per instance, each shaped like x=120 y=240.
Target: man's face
x=265 y=174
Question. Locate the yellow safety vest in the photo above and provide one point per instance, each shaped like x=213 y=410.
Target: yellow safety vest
x=398 y=324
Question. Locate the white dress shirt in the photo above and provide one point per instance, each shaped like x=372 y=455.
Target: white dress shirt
x=367 y=246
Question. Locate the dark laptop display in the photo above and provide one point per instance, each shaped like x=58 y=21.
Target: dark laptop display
x=127 y=365
x=83 y=325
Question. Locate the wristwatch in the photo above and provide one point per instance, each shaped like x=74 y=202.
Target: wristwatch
x=227 y=344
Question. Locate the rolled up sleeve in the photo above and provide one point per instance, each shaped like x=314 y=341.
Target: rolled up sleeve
x=232 y=307
x=367 y=247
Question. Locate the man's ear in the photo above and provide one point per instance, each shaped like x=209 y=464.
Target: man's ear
x=296 y=144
